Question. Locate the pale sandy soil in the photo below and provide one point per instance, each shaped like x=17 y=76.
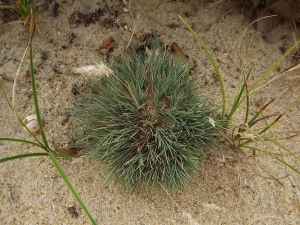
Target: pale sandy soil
x=230 y=188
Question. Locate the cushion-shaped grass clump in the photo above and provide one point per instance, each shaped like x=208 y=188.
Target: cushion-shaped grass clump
x=145 y=122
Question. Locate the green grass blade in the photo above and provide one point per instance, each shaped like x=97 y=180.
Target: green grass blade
x=71 y=187
x=36 y=105
x=20 y=121
x=253 y=120
x=247 y=95
x=23 y=156
x=247 y=105
x=22 y=141
x=28 y=155
x=237 y=101
x=270 y=125
x=255 y=117
x=237 y=104
x=274 y=65
x=274 y=157
x=44 y=145
x=52 y=157
x=283 y=147
x=5 y=96
x=213 y=63
x=264 y=129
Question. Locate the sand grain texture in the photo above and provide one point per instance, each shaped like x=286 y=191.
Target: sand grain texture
x=229 y=189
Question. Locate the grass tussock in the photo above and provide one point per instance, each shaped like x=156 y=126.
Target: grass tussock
x=146 y=123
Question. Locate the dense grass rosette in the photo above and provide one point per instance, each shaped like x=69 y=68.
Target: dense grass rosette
x=145 y=123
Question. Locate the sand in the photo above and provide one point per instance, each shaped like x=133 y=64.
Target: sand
x=230 y=188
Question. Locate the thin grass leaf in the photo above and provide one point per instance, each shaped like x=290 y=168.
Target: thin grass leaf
x=263 y=130
x=237 y=102
x=23 y=156
x=273 y=156
x=283 y=147
x=251 y=90
x=71 y=187
x=34 y=92
x=44 y=145
x=255 y=117
x=213 y=63
x=23 y=7
x=22 y=141
x=5 y=96
x=19 y=120
x=29 y=155
x=248 y=96
x=247 y=107
x=272 y=124
x=273 y=66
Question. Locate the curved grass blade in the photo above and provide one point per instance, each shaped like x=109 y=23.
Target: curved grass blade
x=22 y=140
x=251 y=90
x=237 y=101
x=28 y=155
x=213 y=63
x=18 y=118
x=70 y=186
x=273 y=66
x=44 y=145
x=283 y=147
x=36 y=105
x=23 y=156
x=274 y=157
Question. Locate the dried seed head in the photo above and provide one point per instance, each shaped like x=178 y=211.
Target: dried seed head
x=94 y=71
x=211 y=121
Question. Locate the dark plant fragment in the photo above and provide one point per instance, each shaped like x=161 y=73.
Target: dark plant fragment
x=77 y=18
